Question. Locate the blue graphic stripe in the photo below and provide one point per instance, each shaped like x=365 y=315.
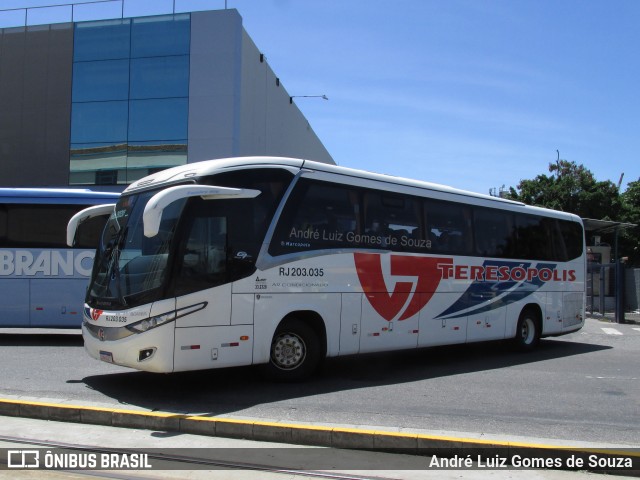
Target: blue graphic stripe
x=491 y=295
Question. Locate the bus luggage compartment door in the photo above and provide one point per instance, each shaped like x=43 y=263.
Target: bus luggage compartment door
x=350 y=323
x=386 y=333
x=14 y=307
x=213 y=347
x=572 y=309
x=57 y=302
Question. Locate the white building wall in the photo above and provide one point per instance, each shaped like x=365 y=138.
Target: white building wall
x=214 y=84
x=269 y=123
x=236 y=107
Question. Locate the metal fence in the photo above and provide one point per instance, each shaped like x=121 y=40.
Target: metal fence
x=51 y=12
x=605 y=291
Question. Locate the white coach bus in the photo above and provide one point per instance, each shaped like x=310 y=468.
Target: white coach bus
x=284 y=262
x=42 y=281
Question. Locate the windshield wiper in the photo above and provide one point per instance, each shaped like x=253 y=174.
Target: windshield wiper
x=116 y=266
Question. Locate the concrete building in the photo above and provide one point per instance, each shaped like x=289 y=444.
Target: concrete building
x=107 y=102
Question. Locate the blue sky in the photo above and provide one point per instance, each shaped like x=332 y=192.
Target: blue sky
x=469 y=93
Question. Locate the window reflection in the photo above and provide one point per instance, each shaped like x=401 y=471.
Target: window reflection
x=106 y=164
x=130 y=98
x=102 y=40
x=164 y=155
x=90 y=161
x=99 y=122
x=158 y=119
x=159 y=36
x=160 y=77
x=101 y=80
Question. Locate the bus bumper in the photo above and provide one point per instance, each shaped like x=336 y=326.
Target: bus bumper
x=151 y=351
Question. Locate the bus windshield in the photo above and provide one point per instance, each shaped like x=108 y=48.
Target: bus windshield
x=218 y=242
x=131 y=268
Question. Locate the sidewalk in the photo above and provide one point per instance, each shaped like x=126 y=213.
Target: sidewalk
x=629 y=317
x=196 y=457
x=405 y=441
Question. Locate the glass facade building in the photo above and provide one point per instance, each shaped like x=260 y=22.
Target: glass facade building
x=130 y=98
x=108 y=101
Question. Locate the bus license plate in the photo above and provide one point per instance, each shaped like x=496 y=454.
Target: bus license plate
x=106 y=356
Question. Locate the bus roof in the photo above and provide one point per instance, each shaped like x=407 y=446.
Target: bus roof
x=210 y=167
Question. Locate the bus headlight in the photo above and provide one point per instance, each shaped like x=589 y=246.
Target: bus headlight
x=153 y=322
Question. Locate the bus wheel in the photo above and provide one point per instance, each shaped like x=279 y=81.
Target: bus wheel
x=528 y=331
x=295 y=351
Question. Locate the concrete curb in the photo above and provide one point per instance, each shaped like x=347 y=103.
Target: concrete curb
x=300 y=434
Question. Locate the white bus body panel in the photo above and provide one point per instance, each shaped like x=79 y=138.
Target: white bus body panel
x=216 y=312
x=271 y=309
x=552 y=312
x=200 y=348
x=235 y=325
x=125 y=351
x=487 y=326
x=435 y=331
x=242 y=308
x=572 y=310
x=350 y=319
x=218 y=335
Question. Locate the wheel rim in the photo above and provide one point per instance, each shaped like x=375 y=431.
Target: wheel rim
x=528 y=331
x=288 y=351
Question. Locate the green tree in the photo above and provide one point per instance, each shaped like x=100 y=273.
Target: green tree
x=571 y=188
x=631 y=214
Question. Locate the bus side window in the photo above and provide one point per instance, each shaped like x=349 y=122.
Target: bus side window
x=318 y=216
x=448 y=227
x=493 y=232
x=257 y=213
x=3 y=225
x=532 y=238
x=202 y=255
x=573 y=238
x=37 y=226
x=540 y=238
x=394 y=218
x=556 y=246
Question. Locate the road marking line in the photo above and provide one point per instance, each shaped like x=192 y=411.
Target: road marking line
x=611 y=331
x=636 y=328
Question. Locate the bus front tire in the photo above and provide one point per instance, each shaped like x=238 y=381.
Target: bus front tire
x=528 y=331
x=294 y=353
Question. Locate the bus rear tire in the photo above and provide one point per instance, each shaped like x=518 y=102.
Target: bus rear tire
x=295 y=352
x=528 y=331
